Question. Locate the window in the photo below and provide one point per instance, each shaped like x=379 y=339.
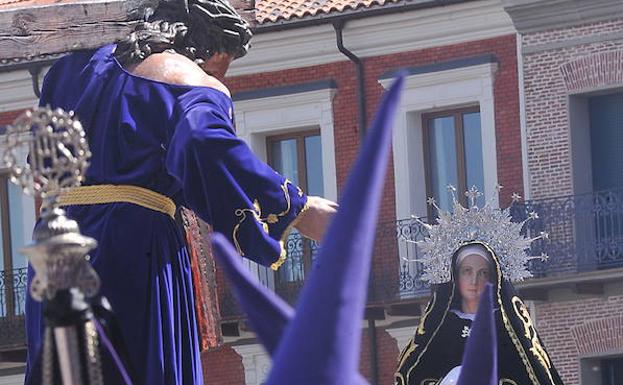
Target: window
x=17 y=221
x=452 y=154
x=612 y=371
x=606 y=137
x=297 y=156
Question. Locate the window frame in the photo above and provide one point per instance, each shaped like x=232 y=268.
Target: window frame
x=5 y=217
x=459 y=133
x=301 y=153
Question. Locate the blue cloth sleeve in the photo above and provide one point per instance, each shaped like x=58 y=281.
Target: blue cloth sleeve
x=226 y=185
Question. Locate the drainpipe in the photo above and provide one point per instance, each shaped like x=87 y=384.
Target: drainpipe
x=374 y=362
x=34 y=75
x=361 y=98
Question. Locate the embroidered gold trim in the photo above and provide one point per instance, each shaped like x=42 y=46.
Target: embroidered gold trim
x=108 y=193
x=282 y=243
x=429 y=308
x=443 y=319
x=430 y=381
x=271 y=218
x=530 y=332
x=506 y=321
x=399 y=377
x=406 y=352
x=507 y=325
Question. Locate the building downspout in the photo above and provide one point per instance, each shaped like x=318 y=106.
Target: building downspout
x=35 y=72
x=374 y=361
x=361 y=102
x=361 y=97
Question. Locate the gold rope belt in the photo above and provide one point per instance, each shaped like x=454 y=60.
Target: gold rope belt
x=108 y=193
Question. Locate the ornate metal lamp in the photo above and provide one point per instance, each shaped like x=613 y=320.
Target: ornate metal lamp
x=64 y=279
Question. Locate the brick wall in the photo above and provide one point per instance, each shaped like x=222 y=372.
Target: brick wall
x=222 y=366
x=347 y=141
x=8 y=117
x=506 y=96
x=559 y=324
x=586 y=66
x=386 y=353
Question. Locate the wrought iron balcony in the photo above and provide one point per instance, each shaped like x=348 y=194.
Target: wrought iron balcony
x=585 y=234
x=13 y=293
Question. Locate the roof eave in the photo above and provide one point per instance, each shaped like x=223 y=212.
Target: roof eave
x=350 y=14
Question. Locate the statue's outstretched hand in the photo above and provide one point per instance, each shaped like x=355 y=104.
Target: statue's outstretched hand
x=314 y=222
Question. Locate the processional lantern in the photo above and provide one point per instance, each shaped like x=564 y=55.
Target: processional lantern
x=34 y=36
x=64 y=279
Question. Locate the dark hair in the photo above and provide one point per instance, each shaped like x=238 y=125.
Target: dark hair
x=194 y=28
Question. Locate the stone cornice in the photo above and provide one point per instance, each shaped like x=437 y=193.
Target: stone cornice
x=16 y=92
x=539 y=15
x=374 y=36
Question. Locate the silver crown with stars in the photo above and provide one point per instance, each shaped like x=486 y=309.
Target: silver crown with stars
x=486 y=224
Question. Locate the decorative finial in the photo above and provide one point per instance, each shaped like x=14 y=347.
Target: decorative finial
x=473 y=194
x=58 y=158
x=57 y=148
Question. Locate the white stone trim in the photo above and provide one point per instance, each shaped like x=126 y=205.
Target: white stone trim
x=402 y=335
x=374 y=36
x=12 y=379
x=26 y=208
x=522 y=119
x=258 y=118
x=437 y=91
x=16 y=91
x=255 y=361
x=539 y=15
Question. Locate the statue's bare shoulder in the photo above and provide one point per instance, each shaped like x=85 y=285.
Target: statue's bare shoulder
x=175 y=69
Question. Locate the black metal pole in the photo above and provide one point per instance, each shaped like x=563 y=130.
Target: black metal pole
x=374 y=362
x=361 y=97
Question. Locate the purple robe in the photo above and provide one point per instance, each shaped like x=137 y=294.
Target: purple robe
x=178 y=141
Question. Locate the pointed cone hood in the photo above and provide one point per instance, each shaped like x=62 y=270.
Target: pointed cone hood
x=322 y=345
x=480 y=360
x=268 y=314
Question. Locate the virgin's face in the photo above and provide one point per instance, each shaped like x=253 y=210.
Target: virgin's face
x=474 y=273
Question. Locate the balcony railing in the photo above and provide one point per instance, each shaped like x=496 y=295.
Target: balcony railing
x=13 y=291
x=585 y=231
x=585 y=234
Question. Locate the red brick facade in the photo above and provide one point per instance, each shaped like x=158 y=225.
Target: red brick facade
x=8 y=117
x=386 y=356
x=222 y=366
x=558 y=63
x=582 y=327
x=508 y=139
